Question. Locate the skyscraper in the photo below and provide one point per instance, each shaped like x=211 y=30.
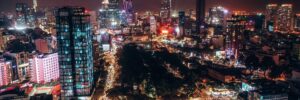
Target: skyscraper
x=128 y=8
x=35 y=4
x=165 y=10
x=109 y=15
x=216 y=19
x=200 y=15
x=22 y=14
x=217 y=15
x=75 y=52
x=271 y=17
x=285 y=17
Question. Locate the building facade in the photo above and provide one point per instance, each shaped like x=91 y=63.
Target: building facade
x=5 y=72
x=200 y=15
x=285 y=17
x=165 y=10
x=109 y=15
x=74 y=39
x=44 y=68
x=271 y=17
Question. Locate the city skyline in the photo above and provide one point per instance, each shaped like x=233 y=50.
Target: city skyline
x=153 y=5
x=149 y=50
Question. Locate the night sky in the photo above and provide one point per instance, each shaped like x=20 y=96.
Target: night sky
x=153 y=5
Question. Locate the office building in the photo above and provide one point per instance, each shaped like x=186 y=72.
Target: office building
x=217 y=15
x=22 y=14
x=271 y=17
x=109 y=15
x=128 y=8
x=216 y=19
x=35 y=5
x=285 y=18
x=44 y=68
x=74 y=39
x=165 y=10
x=200 y=15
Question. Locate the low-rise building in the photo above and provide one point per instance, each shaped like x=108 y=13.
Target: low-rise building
x=226 y=75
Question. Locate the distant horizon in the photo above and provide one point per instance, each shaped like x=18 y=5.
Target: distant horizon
x=154 y=5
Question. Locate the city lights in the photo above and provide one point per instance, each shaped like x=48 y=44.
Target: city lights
x=149 y=50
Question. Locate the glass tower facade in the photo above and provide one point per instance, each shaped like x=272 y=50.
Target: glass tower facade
x=75 y=52
x=109 y=15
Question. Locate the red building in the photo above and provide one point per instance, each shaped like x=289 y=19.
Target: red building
x=42 y=45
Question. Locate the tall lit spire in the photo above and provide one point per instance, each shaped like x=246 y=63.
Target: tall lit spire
x=35 y=4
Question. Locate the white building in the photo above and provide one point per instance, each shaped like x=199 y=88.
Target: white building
x=44 y=68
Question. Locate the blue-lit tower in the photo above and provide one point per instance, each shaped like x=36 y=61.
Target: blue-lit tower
x=75 y=52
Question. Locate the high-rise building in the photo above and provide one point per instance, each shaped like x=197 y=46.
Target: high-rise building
x=22 y=14
x=153 y=24
x=74 y=39
x=5 y=72
x=181 y=17
x=44 y=68
x=200 y=15
x=165 y=10
x=35 y=5
x=5 y=22
x=217 y=15
x=271 y=17
x=297 y=22
x=109 y=15
x=285 y=17
x=128 y=7
x=216 y=19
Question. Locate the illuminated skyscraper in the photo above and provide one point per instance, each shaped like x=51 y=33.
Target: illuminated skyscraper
x=22 y=14
x=285 y=17
x=128 y=8
x=165 y=10
x=200 y=15
x=35 y=4
x=271 y=17
x=74 y=39
x=109 y=15
x=216 y=19
x=217 y=15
